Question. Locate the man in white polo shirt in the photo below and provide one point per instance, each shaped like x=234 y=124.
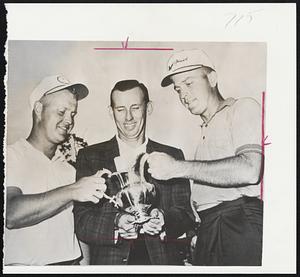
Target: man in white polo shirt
x=41 y=187
x=227 y=168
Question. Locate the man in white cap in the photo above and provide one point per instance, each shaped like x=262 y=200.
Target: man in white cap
x=227 y=168
x=40 y=187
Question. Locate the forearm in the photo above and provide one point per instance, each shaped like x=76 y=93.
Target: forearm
x=234 y=171
x=27 y=210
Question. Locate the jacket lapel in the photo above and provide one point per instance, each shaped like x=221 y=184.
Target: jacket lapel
x=150 y=146
x=111 y=151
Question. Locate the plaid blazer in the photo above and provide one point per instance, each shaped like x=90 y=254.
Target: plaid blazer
x=94 y=223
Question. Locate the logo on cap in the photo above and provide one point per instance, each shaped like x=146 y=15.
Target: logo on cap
x=177 y=61
x=63 y=80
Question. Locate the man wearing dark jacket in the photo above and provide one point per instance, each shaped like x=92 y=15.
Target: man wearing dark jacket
x=97 y=224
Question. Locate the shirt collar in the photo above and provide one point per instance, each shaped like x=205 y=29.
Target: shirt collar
x=37 y=152
x=227 y=102
x=123 y=145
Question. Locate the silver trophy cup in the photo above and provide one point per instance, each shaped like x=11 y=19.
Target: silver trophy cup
x=135 y=196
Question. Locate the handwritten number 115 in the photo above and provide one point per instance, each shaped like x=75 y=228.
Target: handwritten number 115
x=235 y=18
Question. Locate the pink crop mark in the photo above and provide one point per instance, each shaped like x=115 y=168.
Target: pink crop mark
x=263 y=141
x=125 y=47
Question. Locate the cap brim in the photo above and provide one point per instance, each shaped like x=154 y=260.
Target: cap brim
x=80 y=90
x=166 y=81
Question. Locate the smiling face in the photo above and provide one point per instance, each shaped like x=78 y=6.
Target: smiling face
x=129 y=111
x=57 y=115
x=194 y=89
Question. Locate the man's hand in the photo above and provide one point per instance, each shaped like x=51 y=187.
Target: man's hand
x=126 y=226
x=162 y=166
x=90 y=188
x=155 y=224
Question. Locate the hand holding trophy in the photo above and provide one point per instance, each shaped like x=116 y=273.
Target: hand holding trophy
x=135 y=197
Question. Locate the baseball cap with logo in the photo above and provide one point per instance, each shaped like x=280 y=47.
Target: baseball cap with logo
x=186 y=60
x=51 y=84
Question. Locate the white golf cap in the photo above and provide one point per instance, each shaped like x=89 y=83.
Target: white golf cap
x=186 y=60
x=54 y=83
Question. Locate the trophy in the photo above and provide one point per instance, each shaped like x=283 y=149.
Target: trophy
x=135 y=196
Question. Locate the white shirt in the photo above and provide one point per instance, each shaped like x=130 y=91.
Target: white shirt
x=52 y=240
x=128 y=155
x=235 y=128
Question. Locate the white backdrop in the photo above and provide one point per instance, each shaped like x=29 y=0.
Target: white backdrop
x=241 y=69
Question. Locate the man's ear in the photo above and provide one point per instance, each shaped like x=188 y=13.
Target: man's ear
x=38 y=108
x=149 y=108
x=212 y=78
x=111 y=113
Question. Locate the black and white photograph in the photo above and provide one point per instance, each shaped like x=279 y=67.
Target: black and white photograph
x=135 y=153
x=125 y=135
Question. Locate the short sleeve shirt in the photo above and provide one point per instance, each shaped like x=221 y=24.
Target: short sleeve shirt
x=234 y=129
x=52 y=240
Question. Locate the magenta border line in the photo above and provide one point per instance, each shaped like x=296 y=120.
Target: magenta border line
x=134 y=48
x=262 y=142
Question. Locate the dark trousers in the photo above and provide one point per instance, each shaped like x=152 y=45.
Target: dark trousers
x=230 y=234
x=138 y=252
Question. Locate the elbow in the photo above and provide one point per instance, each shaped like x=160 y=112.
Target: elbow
x=254 y=175
x=13 y=220
x=11 y=223
x=255 y=180
x=253 y=168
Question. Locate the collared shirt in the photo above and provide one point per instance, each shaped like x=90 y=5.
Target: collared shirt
x=52 y=240
x=235 y=128
x=128 y=155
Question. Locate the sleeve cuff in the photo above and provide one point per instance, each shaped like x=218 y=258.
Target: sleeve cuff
x=249 y=148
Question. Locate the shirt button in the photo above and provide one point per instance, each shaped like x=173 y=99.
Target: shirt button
x=124 y=260
x=203 y=137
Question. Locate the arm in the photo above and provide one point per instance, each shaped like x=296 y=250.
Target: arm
x=237 y=171
x=24 y=210
x=241 y=170
x=94 y=224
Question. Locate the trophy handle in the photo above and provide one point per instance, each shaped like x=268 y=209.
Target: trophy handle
x=100 y=173
x=103 y=171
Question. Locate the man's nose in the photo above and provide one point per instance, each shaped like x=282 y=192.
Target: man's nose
x=128 y=115
x=183 y=94
x=68 y=119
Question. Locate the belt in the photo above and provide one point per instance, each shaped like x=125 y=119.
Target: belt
x=228 y=205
